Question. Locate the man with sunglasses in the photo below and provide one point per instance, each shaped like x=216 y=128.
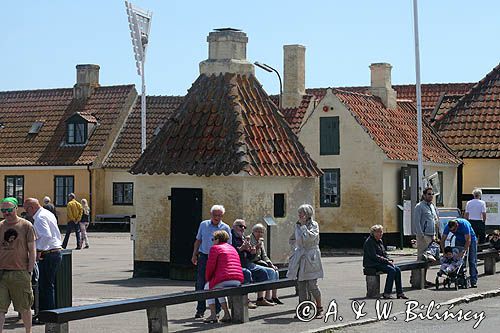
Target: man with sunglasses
x=424 y=227
x=17 y=260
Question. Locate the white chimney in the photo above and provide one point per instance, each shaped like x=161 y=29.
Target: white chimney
x=381 y=84
x=227 y=52
x=294 y=72
x=87 y=78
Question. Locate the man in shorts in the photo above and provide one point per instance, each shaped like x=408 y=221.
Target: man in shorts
x=17 y=259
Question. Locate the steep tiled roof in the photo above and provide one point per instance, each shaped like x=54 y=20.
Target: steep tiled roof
x=431 y=94
x=19 y=109
x=295 y=116
x=445 y=103
x=127 y=148
x=395 y=130
x=472 y=126
x=226 y=124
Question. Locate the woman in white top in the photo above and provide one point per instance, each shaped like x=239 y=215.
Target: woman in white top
x=475 y=212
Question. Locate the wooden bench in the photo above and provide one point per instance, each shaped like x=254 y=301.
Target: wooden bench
x=490 y=257
x=417 y=267
x=57 y=320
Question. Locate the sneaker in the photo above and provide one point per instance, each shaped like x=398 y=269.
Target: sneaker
x=473 y=285
x=263 y=302
x=199 y=315
x=78 y=248
x=86 y=247
x=387 y=296
x=251 y=305
x=270 y=301
x=402 y=296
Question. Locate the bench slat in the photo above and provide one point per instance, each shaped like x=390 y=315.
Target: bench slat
x=67 y=314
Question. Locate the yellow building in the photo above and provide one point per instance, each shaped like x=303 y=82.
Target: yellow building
x=470 y=124
x=226 y=144
x=54 y=140
x=363 y=142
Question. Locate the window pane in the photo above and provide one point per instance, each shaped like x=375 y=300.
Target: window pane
x=123 y=193
x=71 y=133
x=80 y=133
x=330 y=188
x=64 y=186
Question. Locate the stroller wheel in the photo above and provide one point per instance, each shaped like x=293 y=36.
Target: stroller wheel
x=456 y=285
x=437 y=283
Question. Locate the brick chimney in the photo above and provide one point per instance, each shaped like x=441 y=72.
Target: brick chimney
x=87 y=78
x=381 y=84
x=294 y=73
x=227 y=53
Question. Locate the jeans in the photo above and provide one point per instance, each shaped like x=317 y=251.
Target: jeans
x=393 y=275
x=473 y=261
x=48 y=268
x=72 y=226
x=259 y=273
x=247 y=276
x=307 y=288
x=200 y=283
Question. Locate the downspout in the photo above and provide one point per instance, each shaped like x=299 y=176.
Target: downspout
x=90 y=192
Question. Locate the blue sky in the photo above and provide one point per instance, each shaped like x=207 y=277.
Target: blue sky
x=42 y=41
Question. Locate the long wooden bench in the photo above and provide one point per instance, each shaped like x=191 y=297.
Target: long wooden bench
x=490 y=257
x=417 y=267
x=57 y=320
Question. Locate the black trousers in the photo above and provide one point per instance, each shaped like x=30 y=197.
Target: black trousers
x=479 y=229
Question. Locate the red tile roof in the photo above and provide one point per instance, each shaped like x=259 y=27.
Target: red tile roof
x=445 y=103
x=431 y=94
x=472 y=126
x=127 y=148
x=295 y=116
x=19 y=109
x=225 y=125
x=395 y=130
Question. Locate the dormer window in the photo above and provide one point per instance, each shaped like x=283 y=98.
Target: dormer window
x=79 y=127
x=77 y=133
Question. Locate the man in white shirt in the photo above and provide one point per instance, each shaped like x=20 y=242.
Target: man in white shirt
x=475 y=212
x=48 y=248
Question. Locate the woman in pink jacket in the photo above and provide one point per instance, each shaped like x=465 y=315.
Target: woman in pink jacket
x=223 y=270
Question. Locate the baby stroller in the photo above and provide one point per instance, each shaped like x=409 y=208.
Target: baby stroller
x=458 y=277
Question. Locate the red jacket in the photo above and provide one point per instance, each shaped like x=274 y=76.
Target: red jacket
x=223 y=265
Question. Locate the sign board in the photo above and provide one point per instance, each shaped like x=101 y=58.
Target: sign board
x=407 y=217
x=492 y=198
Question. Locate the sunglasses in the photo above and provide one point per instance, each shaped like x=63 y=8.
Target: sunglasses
x=7 y=210
x=242 y=226
x=429 y=193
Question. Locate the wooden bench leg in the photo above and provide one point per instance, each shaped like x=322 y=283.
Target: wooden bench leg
x=418 y=278
x=372 y=286
x=490 y=265
x=157 y=320
x=239 y=309
x=56 y=328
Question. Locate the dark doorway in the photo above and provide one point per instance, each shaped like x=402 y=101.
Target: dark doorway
x=185 y=219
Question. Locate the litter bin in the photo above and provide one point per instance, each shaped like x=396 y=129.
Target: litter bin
x=64 y=281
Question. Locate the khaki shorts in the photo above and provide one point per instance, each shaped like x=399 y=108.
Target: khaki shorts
x=15 y=286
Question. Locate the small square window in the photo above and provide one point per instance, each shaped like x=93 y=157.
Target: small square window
x=330 y=188
x=123 y=194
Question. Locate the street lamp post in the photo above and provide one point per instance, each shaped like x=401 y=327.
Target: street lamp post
x=269 y=69
x=139 y=23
